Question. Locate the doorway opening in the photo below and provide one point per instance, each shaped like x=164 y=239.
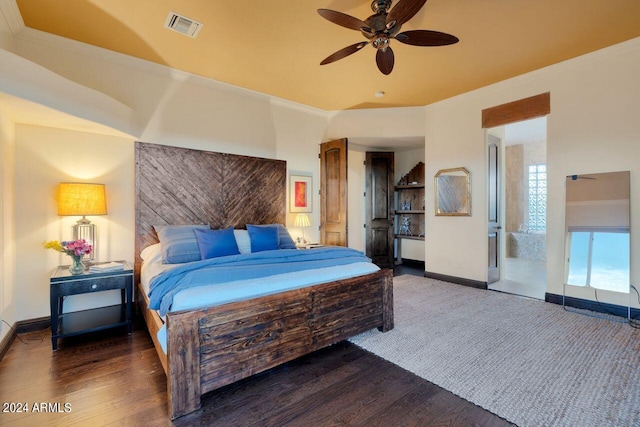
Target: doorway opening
x=524 y=197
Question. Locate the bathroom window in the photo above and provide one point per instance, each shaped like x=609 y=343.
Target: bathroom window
x=599 y=259
x=538 y=197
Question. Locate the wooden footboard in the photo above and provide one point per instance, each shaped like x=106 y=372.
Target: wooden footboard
x=213 y=347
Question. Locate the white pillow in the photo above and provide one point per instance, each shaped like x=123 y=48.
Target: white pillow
x=150 y=251
x=243 y=241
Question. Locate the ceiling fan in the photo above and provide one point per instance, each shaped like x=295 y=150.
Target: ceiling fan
x=383 y=26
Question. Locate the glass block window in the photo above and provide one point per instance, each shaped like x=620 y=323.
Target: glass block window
x=538 y=197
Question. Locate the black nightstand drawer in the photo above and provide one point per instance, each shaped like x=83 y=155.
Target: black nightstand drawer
x=84 y=286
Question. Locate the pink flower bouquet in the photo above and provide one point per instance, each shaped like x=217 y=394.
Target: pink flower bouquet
x=73 y=248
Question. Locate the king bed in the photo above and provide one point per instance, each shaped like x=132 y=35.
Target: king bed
x=211 y=325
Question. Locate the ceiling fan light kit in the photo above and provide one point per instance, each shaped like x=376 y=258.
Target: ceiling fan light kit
x=383 y=26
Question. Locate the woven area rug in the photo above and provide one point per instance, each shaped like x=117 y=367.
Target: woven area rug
x=528 y=361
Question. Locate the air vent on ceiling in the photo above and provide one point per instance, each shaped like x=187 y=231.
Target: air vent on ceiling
x=182 y=24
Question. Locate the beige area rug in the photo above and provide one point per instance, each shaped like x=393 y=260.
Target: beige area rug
x=528 y=361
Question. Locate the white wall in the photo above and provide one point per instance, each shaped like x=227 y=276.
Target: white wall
x=6 y=37
x=592 y=128
x=407 y=159
x=356 y=182
x=366 y=125
x=298 y=132
x=44 y=157
x=7 y=238
x=195 y=114
x=172 y=107
x=27 y=80
x=457 y=246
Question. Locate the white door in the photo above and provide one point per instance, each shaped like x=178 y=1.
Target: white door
x=494 y=236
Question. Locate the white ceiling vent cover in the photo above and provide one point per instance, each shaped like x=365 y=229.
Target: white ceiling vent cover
x=182 y=25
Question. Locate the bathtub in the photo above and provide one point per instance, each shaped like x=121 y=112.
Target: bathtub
x=531 y=245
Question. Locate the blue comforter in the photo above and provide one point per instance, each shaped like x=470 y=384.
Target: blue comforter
x=244 y=266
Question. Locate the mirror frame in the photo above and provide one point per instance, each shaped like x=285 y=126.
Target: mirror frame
x=452 y=198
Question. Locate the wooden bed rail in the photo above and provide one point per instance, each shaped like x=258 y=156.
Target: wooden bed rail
x=216 y=346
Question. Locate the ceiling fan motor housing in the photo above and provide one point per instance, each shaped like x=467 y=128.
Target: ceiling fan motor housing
x=381 y=6
x=380 y=34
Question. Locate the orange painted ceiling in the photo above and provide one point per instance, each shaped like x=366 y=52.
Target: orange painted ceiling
x=275 y=46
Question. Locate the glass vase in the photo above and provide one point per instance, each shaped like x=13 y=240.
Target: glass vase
x=77 y=267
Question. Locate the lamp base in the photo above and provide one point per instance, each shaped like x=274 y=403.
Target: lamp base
x=84 y=229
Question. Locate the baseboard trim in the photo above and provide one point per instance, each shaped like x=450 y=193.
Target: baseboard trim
x=457 y=280
x=6 y=342
x=599 y=307
x=21 y=327
x=32 y=325
x=412 y=263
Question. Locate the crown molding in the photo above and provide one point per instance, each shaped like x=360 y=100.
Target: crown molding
x=9 y=8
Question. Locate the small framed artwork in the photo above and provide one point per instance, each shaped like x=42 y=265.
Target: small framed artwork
x=300 y=193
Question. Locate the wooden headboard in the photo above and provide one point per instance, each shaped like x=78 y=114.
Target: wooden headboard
x=184 y=186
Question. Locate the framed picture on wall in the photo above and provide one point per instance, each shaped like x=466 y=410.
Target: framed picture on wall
x=300 y=193
x=453 y=192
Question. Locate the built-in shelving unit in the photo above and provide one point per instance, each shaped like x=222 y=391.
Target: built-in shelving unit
x=409 y=207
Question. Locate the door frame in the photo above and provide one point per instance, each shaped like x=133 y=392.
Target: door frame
x=504 y=114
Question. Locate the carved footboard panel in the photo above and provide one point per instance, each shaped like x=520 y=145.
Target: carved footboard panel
x=213 y=347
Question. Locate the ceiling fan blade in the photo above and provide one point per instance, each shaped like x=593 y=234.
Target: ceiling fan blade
x=385 y=60
x=403 y=11
x=426 y=38
x=344 y=20
x=344 y=52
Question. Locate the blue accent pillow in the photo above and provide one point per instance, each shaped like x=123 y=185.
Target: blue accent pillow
x=263 y=238
x=216 y=243
x=178 y=243
x=284 y=238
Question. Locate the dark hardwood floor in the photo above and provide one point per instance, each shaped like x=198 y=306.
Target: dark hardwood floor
x=111 y=379
x=415 y=268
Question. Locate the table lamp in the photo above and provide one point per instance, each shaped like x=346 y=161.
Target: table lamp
x=302 y=221
x=79 y=198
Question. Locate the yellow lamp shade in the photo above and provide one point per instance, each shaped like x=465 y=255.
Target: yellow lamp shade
x=78 y=198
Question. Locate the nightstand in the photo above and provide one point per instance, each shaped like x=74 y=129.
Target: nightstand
x=309 y=245
x=63 y=284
